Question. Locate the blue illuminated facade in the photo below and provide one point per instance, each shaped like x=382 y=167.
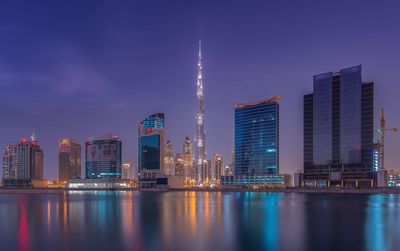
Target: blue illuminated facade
x=103 y=157
x=257 y=138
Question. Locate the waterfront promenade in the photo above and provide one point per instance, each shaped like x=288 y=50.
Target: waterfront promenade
x=271 y=190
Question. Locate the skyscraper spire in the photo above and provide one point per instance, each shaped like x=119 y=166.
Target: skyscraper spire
x=200 y=146
x=33 y=137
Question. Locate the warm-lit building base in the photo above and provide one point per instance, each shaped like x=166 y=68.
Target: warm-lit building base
x=257 y=181
x=100 y=184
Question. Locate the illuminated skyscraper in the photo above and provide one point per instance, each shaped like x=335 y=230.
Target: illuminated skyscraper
x=179 y=166
x=103 y=157
x=218 y=168
x=187 y=155
x=9 y=163
x=257 y=138
x=151 y=149
x=168 y=159
x=200 y=147
x=69 y=159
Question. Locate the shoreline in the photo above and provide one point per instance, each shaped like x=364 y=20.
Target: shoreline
x=224 y=190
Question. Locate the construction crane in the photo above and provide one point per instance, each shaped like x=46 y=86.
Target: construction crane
x=382 y=131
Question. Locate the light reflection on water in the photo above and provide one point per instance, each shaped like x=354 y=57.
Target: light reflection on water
x=199 y=221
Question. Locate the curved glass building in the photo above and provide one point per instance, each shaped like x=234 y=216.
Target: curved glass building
x=103 y=157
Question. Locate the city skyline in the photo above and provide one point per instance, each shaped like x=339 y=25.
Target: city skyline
x=94 y=97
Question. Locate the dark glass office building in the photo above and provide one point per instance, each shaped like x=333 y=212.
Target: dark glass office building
x=257 y=138
x=103 y=157
x=151 y=149
x=338 y=130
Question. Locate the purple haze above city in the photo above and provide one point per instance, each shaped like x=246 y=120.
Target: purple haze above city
x=81 y=68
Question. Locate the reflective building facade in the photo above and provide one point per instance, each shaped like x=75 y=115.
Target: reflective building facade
x=151 y=149
x=103 y=157
x=257 y=138
x=338 y=129
x=151 y=143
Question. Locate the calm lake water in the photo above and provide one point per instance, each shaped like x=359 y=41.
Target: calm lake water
x=199 y=221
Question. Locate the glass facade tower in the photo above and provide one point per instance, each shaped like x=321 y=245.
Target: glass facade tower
x=151 y=144
x=257 y=138
x=338 y=129
x=103 y=157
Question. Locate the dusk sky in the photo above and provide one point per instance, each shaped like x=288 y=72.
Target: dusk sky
x=81 y=68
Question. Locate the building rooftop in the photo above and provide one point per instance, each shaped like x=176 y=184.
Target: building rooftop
x=274 y=99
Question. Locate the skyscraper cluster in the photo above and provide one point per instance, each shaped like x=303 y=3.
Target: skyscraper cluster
x=338 y=144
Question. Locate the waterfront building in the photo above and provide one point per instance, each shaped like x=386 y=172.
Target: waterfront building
x=104 y=183
x=23 y=162
x=69 y=159
x=257 y=181
x=200 y=146
x=257 y=137
x=151 y=149
x=256 y=144
x=125 y=170
x=218 y=168
x=168 y=159
x=29 y=159
x=298 y=179
x=393 y=178
x=103 y=157
x=338 y=130
x=9 y=163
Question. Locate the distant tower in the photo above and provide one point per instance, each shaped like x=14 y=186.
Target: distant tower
x=200 y=146
x=69 y=159
x=218 y=168
x=187 y=156
x=168 y=159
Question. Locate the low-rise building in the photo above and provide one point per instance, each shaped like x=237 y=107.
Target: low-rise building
x=257 y=181
x=100 y=184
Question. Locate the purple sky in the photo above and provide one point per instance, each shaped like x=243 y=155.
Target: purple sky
x=81 y=69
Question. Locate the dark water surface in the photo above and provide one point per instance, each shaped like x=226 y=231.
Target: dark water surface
x=199 y=221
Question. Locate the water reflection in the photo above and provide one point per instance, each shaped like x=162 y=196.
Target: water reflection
x=198 y=221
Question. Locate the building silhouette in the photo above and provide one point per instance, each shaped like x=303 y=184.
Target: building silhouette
x=338 y=130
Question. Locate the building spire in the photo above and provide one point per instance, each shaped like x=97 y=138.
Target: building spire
x=33 y=137
x=200 y=152
x=199 y=50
